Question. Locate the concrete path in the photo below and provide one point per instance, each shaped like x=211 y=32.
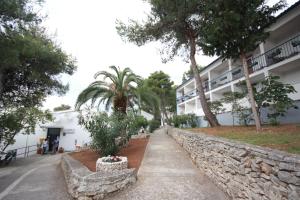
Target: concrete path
x=168 y=173
x=33 y=178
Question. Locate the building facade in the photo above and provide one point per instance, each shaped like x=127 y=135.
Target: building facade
x=279 y=55
x=64 y=127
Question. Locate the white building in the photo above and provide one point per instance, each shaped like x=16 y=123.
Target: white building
x=64 y=126
x=278 y=55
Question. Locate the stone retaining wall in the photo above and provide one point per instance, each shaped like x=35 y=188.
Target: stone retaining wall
x=243 y=171
x=84 y=184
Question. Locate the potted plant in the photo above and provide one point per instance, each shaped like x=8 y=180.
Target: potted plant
x=39 y=150
x=111 y=163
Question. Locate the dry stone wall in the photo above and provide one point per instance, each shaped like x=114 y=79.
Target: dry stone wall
x=84 y=184
x=243 y=171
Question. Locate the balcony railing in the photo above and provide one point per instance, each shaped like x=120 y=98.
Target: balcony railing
x=192 y=93
x=275 y=55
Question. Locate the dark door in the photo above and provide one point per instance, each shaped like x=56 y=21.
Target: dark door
x=52 y=134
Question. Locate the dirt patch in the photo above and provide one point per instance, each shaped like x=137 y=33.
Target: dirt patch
x=134 y=152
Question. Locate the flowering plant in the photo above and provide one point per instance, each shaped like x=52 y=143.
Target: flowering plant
x=111 y=159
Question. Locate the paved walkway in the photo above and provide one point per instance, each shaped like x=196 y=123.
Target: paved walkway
x=167 y=173
x=33 y=178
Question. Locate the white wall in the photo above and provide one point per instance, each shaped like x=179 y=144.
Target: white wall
x=293 y=79
x=67 y=121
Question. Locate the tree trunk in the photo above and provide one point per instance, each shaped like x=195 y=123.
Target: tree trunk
x=1 y=85
x=211 y=118
x=163 y=109
x=250 y=92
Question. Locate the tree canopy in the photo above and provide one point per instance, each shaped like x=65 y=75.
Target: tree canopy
x=233 y=29
x=121 y=90
x=161 y=85
x=31 y=64
x=176 y=25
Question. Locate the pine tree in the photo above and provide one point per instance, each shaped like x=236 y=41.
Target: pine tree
x=231 y=29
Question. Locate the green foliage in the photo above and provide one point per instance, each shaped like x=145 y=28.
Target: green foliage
x=110 y=132
x=30 y=66
x=62 y=107
x=18 y=14
x=216 y=107
x=104 y=130
x=147 y=100
x=12 y=121
x=135 y=123
x=176 y=25
x=119 y=91
x=274 y=96
x=153 y=125
x=161 y=85
x=189 y=120
x=231 y=28
x=141 y=122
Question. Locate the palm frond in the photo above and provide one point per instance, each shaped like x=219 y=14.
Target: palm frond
x=88 y=94
x=106 y=75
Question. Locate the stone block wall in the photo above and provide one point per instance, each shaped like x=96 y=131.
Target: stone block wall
x=84 y=184
x=241 y=170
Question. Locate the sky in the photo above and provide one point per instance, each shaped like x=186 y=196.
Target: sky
x=86 y=30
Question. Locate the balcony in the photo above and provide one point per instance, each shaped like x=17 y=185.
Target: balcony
x=275 y=55
x=193 y=93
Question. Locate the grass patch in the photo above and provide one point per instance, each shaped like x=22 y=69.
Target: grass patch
x=283 y=137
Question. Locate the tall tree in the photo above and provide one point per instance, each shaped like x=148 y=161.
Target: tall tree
x=30 y=65
x=231 y=29
x=120 y=91
x=175 y=23
x=161 y=85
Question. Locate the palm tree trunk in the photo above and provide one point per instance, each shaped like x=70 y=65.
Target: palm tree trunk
x=211 y=118
x=250 y=92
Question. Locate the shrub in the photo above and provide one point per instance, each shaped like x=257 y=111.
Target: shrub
x=189 y=120
x=135 y=123
x=153 y=125
x=274 y=95
x=104 y=130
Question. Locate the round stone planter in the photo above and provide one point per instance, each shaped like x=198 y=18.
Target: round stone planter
x=111 y=166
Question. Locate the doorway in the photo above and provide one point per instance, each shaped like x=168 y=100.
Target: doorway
x=52 y=134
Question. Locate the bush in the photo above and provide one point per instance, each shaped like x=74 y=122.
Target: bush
x=141 y=122
x=189 y=120
x=135 y=123
x=104 y=130
x=153 y=125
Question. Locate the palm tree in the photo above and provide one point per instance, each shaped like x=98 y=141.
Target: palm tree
x=119 y=92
